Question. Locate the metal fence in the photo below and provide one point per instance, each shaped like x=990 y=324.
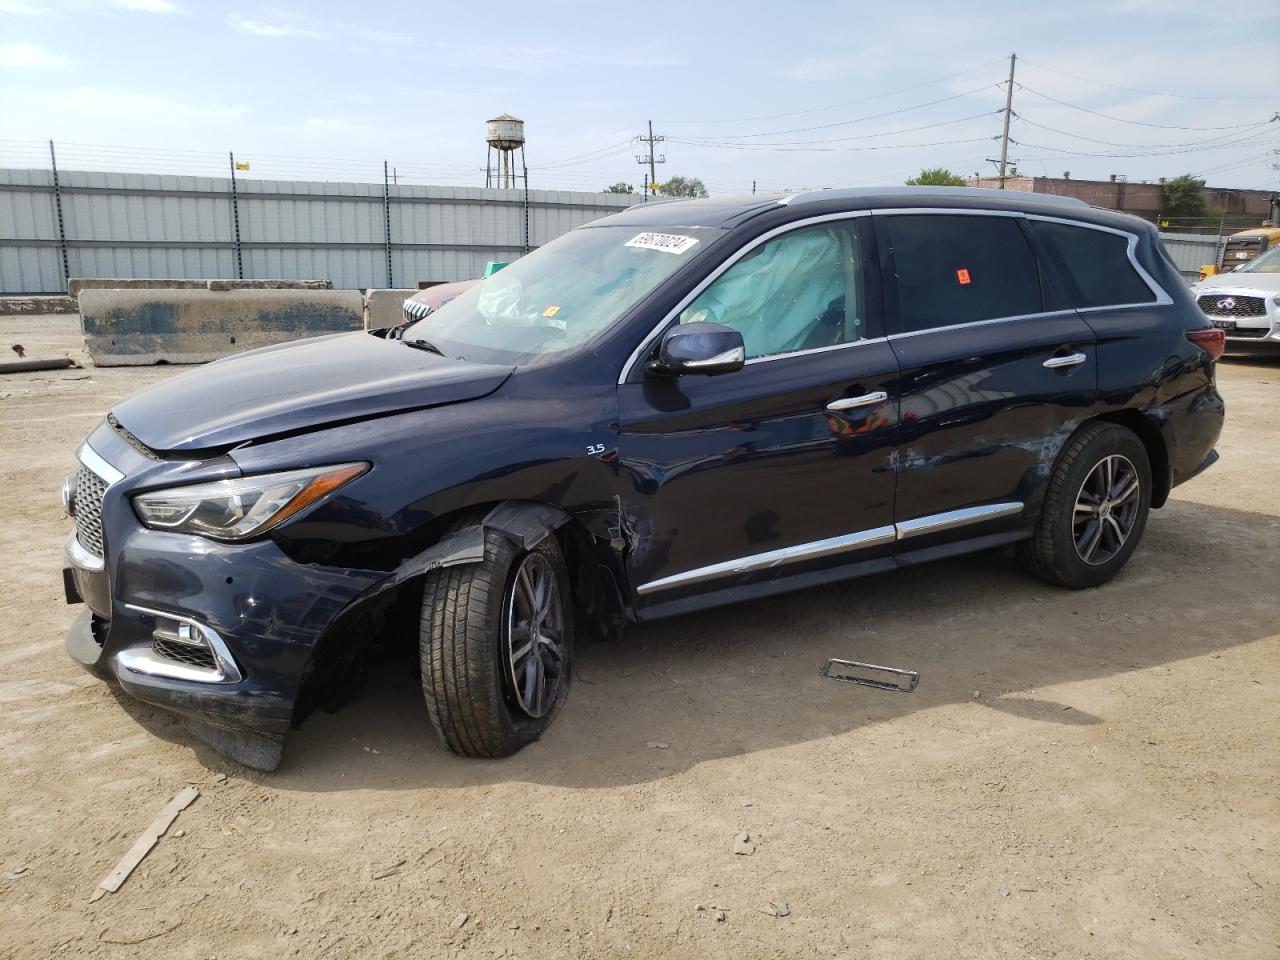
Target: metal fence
x=358 y=235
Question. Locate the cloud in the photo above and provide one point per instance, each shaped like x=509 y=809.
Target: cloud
x=92 y=102
x=260 y=28
x=147 y=6
x=25 y=9
x=16 y=56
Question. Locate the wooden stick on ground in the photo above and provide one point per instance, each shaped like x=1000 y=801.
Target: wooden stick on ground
x=142 y=846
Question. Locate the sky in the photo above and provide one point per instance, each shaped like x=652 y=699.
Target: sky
x=783 y=96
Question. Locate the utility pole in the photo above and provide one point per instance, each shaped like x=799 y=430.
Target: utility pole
x=1008 y=112
x=651 y=160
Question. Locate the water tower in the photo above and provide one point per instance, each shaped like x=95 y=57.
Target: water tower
x=505 y=135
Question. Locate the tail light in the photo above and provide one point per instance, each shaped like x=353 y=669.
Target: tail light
x=1212 y=341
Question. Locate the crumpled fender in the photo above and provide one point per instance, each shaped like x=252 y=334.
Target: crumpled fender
x=523 y=522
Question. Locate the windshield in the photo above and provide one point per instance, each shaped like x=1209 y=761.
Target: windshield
x=560 y=295
x=1268 y=262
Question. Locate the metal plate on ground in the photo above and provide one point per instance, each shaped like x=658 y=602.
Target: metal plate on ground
x=865 y=674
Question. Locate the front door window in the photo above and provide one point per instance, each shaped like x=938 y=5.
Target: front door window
x=799 y=291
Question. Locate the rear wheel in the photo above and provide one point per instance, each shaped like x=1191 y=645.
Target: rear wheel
x=1095 y=509
x=496 y=642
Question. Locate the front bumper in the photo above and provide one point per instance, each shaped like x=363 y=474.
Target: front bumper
x=1245 y=333
x=261 y=614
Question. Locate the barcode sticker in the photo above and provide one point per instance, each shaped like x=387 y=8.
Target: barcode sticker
x=666 y=242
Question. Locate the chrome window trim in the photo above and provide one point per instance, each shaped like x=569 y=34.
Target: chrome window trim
x=982 y=323
x=826 y=349
x=98 y=464
x=863 y=539
x=1162 y=298
x=652 y=336
x=144 y=661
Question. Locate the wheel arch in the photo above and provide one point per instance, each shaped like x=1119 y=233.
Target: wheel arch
x=1146 y=430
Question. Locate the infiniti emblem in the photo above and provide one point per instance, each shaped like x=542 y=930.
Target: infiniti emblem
x=1227 y=303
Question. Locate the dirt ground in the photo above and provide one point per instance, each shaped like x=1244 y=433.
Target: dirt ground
x=1083 y=775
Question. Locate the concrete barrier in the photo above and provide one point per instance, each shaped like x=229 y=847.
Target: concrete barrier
x=76 y=284
x=135 y=327
x=382 y=307
x=16 y=306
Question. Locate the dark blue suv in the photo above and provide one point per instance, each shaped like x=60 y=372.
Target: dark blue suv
x=684 y=405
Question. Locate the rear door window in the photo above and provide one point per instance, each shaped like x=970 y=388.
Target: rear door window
x=1094 y=265
x=954 y=269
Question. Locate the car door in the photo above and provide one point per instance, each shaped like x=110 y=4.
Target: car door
x=786 y=464
x=992 y=382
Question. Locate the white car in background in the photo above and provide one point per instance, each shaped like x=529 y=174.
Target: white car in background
x=1245 y=303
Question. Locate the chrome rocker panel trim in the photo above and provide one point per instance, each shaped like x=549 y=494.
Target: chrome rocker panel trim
x=861 y=540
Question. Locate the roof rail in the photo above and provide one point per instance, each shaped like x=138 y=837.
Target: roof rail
x=976 y=193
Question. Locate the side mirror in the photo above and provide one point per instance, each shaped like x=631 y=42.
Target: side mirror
x=707 y=348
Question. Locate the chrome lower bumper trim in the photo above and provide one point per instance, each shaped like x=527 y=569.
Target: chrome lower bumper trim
x=145 y=660
x=82 y=558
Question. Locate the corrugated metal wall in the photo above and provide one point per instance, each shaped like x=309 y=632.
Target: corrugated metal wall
x=1189 y=251
x=153 y=225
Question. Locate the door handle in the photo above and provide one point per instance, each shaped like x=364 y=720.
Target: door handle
x=1070 y=360
x=849 y=403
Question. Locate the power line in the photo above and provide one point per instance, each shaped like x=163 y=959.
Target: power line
x=847 y=103
x=1136 y=123
x=886 y=146
x=1110 y=143
x=1149 y=93
x=708 y=141
x=1138 y=156
x=874 y=116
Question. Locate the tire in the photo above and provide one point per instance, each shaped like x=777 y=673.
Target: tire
x=464 y=642
x=1085 y=535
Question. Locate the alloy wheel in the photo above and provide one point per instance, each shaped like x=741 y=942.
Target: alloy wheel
x=535 y=635
x=1106 y=509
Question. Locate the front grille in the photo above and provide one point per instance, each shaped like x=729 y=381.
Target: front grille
x=195 y=656
x=1228 y=305
x=1249 y=333
x=88 y=506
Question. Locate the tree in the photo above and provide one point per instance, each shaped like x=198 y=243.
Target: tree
x=1182 y=197
x=620 y=187
x=937 y=177
x=683 y=187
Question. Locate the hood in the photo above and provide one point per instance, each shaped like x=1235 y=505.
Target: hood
x=299 y=386
x=1262 y=282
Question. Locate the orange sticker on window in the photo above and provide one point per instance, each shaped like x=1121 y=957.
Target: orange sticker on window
x=963 y=276
x=550 y=311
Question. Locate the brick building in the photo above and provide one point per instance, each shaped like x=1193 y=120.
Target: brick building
x=1242 y=207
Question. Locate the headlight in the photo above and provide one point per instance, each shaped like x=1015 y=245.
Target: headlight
x=240 y=508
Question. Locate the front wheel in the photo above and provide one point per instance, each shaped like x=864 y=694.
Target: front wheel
x=496 y=642
x=1095 y=509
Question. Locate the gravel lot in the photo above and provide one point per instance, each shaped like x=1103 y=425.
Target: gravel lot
x=1083 y=775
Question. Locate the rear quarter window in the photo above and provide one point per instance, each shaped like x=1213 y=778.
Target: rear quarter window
x=1094 y=266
